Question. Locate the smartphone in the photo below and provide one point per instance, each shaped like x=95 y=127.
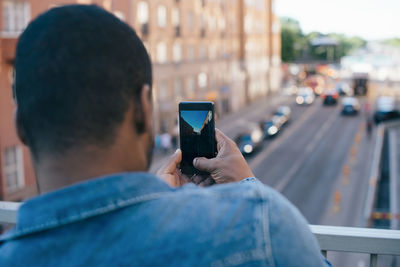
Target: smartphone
x=196 y=134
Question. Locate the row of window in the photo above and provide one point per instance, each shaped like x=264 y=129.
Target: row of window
x=162 y=17
x=161 y=53
x=16 y=15
x=14 y=168
x=181 y=88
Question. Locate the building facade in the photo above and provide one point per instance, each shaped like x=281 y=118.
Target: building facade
x=226 y=51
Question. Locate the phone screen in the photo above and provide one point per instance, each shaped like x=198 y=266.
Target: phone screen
x=197 y=133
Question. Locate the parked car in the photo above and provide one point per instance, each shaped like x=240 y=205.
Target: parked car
x=283 y=111
x=350 y=106
x=305 y=96
x=386 y=109
x=250 y=140
x=330 y=97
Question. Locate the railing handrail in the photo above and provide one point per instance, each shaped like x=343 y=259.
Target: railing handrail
x=360 y=240
x=8 y=211
x=330 y=238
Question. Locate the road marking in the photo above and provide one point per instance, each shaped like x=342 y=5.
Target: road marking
x=286 y=179
x=337 y=198
x=286 y=134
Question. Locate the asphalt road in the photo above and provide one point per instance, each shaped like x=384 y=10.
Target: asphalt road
x=321 y=163
x=318 y=151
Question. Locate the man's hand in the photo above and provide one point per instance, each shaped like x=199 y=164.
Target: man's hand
x=170 y=172
x=229 y=165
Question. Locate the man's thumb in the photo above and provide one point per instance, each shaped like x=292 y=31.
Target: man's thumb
x=204 y=164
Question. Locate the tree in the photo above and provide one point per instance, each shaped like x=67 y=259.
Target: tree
x=291 y=37
x=393 y=42
x=297 y=46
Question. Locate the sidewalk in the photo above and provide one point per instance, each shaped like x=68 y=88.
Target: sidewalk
x=394 y=175
x=232 y=123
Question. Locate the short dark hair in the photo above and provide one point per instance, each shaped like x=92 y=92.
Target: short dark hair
x=78 y=69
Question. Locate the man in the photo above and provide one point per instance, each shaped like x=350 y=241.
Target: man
x=83 y=93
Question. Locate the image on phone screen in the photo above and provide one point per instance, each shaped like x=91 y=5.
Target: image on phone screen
x=197 y=135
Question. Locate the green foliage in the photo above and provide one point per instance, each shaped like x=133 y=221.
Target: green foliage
x=291 y=39
x=393 y=42
x=296 y=45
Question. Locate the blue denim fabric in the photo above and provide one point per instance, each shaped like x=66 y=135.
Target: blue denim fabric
x=135 y=219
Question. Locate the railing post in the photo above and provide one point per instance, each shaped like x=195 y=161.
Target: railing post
x=324 y=253
x=373 y=260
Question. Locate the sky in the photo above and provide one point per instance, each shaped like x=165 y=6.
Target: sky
x=195 y=118
x=369 y=19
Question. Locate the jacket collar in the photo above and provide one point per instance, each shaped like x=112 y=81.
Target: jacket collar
x=78 y=202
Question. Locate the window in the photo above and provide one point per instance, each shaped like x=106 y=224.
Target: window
x=16 y=16
x=119 y=14
x=177 y=52
x=202 y=26
x=213 y=51
x=163 y=91
x=178 y=88
x=176 y=17
x=14 y=168
x=190 y=52
x=248 y=24
x=202 y=80
x=191 y=86
x=143 y=12
x=221 y=24
x=161 y=52
x=212 y=23
x=190 y=20
x=162 y=16
x=203 y=52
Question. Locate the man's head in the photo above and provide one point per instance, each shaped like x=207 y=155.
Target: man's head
x=80 y=73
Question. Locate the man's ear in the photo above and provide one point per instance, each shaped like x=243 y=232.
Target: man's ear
x=20 y=130
x=147 y=107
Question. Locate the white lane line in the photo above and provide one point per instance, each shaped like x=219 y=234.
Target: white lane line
x=286 y=134
x=295 y=167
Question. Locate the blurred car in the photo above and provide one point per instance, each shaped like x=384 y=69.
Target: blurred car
x=290 y=90
x=283 y=111
x=350 y=106
x=344 y=89
x=330 y=97
x=270 y=128
x=249 y=140
x=386 y=109
x=305 y=96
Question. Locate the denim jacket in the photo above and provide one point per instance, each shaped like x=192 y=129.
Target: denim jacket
x=135 y=219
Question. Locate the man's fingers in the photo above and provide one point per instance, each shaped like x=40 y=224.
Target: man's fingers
x=220 y=136
x=197 y=179
x=172 y=163
x=222 y=139
x=207 y=182
x=204 y=164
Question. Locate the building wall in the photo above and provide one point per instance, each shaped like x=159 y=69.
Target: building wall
x=225 y=57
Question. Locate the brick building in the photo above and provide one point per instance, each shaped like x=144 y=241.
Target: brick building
x=227 y=51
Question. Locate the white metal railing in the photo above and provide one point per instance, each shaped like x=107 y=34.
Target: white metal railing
x=359 y=240
x=8 y=212
x=330 y=238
